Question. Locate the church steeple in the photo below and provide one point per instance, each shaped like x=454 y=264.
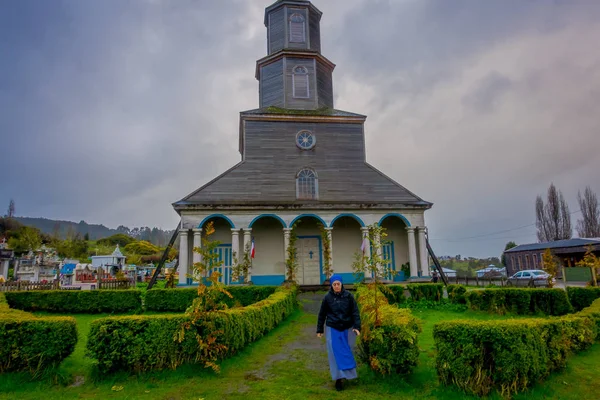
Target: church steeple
x=294 y=75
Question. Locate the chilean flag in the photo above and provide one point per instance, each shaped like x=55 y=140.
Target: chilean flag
x=252 y=250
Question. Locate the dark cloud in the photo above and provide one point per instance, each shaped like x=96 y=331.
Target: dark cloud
x=114 y=109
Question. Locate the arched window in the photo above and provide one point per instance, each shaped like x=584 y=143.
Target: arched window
x=297 y=28
x=300 y=85
x=307 y=185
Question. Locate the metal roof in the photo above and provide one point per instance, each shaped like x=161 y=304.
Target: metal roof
x=576 y=242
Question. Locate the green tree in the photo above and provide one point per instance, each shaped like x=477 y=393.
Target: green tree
x=550 y=266
x=25 y=239
x=508 y=246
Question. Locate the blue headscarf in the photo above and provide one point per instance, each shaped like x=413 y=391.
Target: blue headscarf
x=336 y=277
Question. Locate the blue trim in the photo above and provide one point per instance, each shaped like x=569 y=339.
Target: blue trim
x=348 y=277
x=308 y=215
x=321 y=274
x=277 y=217
x=356 y=218
x=402 y=217
x=216 y=216
x=268 y=280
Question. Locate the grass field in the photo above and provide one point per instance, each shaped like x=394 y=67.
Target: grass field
x=289 y=363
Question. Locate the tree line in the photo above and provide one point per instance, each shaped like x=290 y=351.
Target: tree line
x=553 y=219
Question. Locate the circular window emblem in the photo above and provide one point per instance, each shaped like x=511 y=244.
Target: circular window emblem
x=305 y=140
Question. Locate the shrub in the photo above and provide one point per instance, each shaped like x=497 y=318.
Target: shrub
x=390 y=344
x=582 y=297
x=76 y=301
x=178 y=300
x=142 y=343
x=509 y=356
x=394 y=293
x=33 y=344
x=457 y=294
x=520 y=301
x=426 y=291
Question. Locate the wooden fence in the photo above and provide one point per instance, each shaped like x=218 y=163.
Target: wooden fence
x=26 y=285
x=115 y=284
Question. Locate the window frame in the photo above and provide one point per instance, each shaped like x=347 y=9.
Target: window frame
x=313 y=136
x=295 y=76
x=304 y=191
x=297 y=23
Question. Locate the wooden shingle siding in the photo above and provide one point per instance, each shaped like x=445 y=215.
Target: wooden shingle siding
x=276 y=31
x=271 y=85
x=291 y=102
x=272 y=160
x=324 y=85
x=314 y=29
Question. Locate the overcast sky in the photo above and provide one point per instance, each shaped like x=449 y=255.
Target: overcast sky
x=111 y=110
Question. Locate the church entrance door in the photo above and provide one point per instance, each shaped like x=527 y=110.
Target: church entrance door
x=309 y=261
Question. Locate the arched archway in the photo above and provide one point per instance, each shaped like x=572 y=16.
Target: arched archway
x=268 y=264
x=346 y=241
x=395 y=248
x=310 y=249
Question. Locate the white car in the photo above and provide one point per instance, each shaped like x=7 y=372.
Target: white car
x=530 y=277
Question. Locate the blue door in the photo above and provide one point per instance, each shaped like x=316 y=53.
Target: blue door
x=387 y=253
x=226 y=256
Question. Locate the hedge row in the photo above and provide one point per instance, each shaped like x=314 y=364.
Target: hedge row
x=178 y=300
x=457 y=294
x=520 y=301
x=390 y=344
x=142 y=343
x=76 y=301
x=426 y=291
x=509 y=356
x=32 y=344
x=582 y=297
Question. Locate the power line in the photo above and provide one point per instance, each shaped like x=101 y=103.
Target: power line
x=494 y=233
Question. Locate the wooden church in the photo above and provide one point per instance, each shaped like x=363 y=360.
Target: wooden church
x=301 y=159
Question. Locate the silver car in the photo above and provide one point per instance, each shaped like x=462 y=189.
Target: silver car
x=530 y=277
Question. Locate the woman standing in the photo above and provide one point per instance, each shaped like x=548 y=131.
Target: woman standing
x=339 y=313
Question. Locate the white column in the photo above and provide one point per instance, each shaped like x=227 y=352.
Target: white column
x=365 y=238
x=412 y=252
x=4 y=269
x=183 y=256
x=248 y=245
x=286 y=242
x=197 y=257
x=235 y=246
x=423 y=259
x=330 y=238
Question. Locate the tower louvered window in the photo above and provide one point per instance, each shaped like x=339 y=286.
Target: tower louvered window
x=300 y=83
x=307 y=185
x=297 y=28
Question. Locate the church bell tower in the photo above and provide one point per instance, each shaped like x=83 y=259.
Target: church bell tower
x=294 y=75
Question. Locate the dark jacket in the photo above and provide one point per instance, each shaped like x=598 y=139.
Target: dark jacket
x=340 y=311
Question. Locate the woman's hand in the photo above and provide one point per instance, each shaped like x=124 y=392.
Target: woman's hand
x=356 y=332
x=319 y=335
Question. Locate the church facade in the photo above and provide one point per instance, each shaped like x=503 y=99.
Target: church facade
x=301 y=159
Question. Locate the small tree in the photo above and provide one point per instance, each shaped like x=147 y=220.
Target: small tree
x=508 y=246
x=210 y=293
x=590 y=260
x=240 y=270
x=291 y=262
x=327 y=267
x=550 y=266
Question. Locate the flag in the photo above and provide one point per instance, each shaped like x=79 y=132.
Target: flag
x=363 y=246
x=252 y=249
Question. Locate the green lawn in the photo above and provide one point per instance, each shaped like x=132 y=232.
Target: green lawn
x=288 y=364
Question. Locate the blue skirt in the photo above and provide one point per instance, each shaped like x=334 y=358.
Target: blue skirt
x=337 y=373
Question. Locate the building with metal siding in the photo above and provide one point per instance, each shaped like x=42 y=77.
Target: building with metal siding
x=301 y=159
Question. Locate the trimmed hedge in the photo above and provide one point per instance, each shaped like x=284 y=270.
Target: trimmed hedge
x=582 y=297
x=395 y=294
x=142 y=343
x=520 y=301
x=32 y=344
x=178 y=300
x=76 y=301
x=509 y=356
x=426 y=291
x=391 y=346
x=457 y=294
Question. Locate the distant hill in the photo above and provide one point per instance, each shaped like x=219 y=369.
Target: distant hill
x=154 y=235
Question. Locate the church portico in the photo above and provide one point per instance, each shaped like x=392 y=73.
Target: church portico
x=301 y=160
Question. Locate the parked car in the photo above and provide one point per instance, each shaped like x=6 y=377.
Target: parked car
x=530 y=277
